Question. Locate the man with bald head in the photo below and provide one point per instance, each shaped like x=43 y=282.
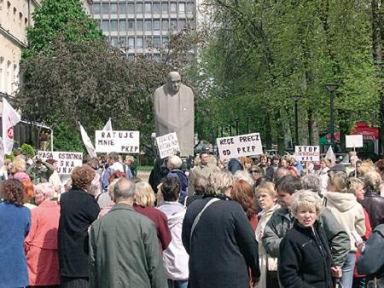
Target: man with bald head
x=123 y=244
x=173 y=105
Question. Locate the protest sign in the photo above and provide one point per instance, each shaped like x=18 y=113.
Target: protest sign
x=168 y=145
x=239 y=146
x=354 y=141
x=66 y=161
x=117 y=141
x=307 y=153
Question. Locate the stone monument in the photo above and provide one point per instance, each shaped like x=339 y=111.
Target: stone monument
x=174 y=111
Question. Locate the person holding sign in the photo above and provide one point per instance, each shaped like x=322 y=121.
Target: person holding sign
x=173 y=106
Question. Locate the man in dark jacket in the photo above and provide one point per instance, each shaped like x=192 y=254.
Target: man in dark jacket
x=174 y=164
x=124 y=249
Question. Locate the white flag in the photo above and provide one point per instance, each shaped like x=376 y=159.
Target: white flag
x=330 y=155
x=10 y=118
x=108 y=125
x=87 y=142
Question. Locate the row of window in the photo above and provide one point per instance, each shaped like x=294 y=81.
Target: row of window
x=14 y=10
x=9 y=76
x=140 y=7
x=142 y=25
x=140 y=42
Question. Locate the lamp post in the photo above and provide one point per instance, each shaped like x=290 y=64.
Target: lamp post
x=296 y=100
x=331 y=88
x=237 y=126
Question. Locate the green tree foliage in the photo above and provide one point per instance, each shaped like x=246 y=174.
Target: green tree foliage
x=264 y=54
x=66 y=18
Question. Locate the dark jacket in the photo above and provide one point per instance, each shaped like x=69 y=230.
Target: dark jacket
x=124 y=251
x=78 y=210
x=371 y=262
x=282 y=221
x=373 y=203
x=183 y=183
x=305 y=259
x=223 y=245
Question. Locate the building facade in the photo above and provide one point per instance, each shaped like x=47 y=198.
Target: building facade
x=141 y=26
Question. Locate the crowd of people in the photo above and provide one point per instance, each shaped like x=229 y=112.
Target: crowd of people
x=267 y=221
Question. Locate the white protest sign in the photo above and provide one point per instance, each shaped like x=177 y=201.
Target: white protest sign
x=239 y=146
x=307 y=153
x=168 y=145
x=354 y=141
x=66 y=161
x=117 y=141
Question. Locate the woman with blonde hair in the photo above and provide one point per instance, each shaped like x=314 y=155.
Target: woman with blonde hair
x=144 y=201
x=373 y=203
x=350 y=214
x=266 y=196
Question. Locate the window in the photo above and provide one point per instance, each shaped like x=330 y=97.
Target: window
x=148 y=42
x=165 y=24
x=122 y=25
x=181 y=24
x=139 y=25
x=139 y=7
x=131 y=8
x=105 y=8
x=156 y=24
x=20 y=16
x=139 y=42
x=131 y=25
x=173 y=24
x=122 y=8
x=173 y=7
x=96 y=8
x=131 y=42
x=190 y=7
x=105 y=25
x=122 y=42
x=148 y=8
x=148 y=25
x=156 y=7
x=113 y=8
x=165 y=41
x=164 y=7
x=156 y=42
x=181 y=7
x=113 y=25
x=114 y=41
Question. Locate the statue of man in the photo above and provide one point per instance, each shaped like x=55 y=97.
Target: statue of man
x=173 y=105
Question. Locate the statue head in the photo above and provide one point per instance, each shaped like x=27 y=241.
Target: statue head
x=173 y=82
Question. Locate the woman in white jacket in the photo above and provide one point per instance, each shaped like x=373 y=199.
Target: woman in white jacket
x=350 y=214
x=266 y=197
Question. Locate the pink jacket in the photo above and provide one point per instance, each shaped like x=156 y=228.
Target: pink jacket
x=41 y=245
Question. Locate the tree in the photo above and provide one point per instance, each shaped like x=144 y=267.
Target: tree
x=66 y=18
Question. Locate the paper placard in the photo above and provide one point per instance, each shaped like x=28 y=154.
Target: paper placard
x=66 y=161
x=239 y=146
x=117 y=141
x=354 y=141
x=307 y=153
x=168 y=145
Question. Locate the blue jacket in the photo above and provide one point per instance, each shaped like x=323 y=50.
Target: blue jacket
x=14 y=226
x=183 y=183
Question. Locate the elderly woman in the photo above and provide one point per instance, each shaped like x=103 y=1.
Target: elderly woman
x=41 y=242
x=14 y=226
x=373 y=203
x=350 y=214
x=144 y=202
x=305 y=258
x=266 y=196
x=78 y=210
x=219 y=239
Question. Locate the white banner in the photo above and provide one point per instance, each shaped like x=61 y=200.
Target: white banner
x=9 y=118
x=354 y=141
x=87 y=142
x=168 y=145
x=238 y=146
x=307 y=153
x=66 y=161
x=117 y=141
x=108 y=125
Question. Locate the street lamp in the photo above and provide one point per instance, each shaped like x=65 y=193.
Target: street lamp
x=331 y=88
x=296 y=98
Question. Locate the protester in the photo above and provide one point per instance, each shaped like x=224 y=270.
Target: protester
x=304 y=257
x=220 y=242
x=129 y=161
x=14 y=226
x=78 y=210
x=373 y=203
x=144 y=204
x=175 y=258
x=40 y=171
x=174 y=164
x=105 y=199
x=29 y=193
x=323 y=174
x=257 y=174
x=54 y=179
x=124 y=249
x=41 y=243
x=350 y=214
x=271 y=170
x=200 y=187
x=114 y=165
x=267 y=200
